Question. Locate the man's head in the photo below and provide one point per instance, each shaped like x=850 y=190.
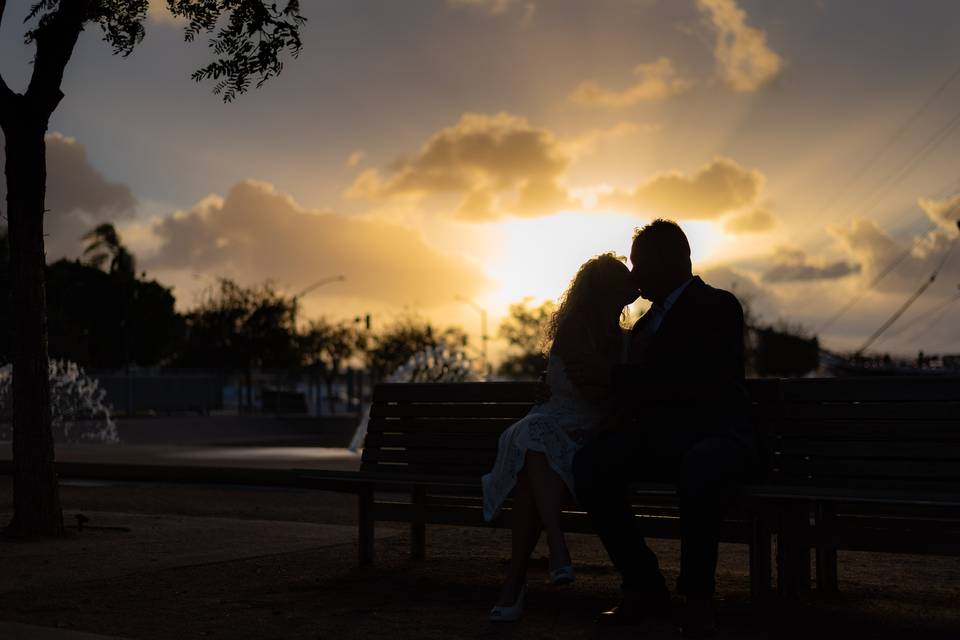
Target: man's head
x=660 y=256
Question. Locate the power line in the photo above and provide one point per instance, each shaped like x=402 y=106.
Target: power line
x=896 y=262
x=888 y=144
x=863 y=292
x=933 y=317
x=914 y=161
x=913 y=298
x=936 y=319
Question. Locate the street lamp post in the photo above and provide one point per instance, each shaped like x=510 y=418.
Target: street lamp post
x=483 y=332
x=319 y=283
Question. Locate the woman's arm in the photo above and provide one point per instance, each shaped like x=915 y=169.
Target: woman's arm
x=586 y=359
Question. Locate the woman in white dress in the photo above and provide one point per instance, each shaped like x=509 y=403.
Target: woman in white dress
x=535 y=455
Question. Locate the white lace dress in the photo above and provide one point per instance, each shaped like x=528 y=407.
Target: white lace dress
x=557 y=428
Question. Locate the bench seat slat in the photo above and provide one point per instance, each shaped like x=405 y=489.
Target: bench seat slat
x=450 y=441
x=441 y=457
x=468 y=474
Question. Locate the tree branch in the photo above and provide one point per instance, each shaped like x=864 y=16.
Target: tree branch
x=55 y=37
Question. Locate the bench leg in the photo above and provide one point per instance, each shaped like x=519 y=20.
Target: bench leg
x=761 y=569
x=365 y=517
x=793 y=551
x=418 y=530
x=826 y=549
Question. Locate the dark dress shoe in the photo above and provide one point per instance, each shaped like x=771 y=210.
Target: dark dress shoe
x=635 y=609
x=698 y=619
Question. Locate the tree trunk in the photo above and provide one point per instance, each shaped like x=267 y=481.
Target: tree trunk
x=36 y=496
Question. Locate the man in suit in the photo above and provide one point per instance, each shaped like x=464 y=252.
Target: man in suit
x=685 y=420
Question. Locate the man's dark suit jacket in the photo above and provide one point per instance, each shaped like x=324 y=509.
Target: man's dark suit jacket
x=689 y=384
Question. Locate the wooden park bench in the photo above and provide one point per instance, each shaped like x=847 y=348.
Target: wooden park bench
x=865 y=464
x=860 y=464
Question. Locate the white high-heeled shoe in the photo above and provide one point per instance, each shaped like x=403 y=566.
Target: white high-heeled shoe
x=562 y=575
x=512 y=613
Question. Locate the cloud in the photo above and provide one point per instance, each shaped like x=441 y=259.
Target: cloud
x=355 y=159
x=588 y=141
x=498 y=165
x=870 y=244
x=793 y=265
x=758 y=300
x=496 y=7
x=945 y=213
x=655 y=81
x=256 y=233
x=915 y=258
x=78 y=197
x=744 y=60
x=752 y=221
x=74 y=184
x=720 y=187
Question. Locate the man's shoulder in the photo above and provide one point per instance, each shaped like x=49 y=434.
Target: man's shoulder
x=713 y=296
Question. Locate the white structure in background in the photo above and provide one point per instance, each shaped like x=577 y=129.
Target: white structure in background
x=77 y=403
x=433 y=364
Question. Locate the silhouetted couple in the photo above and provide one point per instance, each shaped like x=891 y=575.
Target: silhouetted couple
x=664 y=401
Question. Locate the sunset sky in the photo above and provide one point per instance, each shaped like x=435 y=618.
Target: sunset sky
x=436 y=149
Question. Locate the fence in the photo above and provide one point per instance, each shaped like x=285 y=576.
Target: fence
x=140 y=392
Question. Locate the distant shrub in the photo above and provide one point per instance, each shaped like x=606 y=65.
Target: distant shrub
x=439 y=363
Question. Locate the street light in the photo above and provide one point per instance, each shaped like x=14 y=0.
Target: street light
x=320 y=283
x=483 y=331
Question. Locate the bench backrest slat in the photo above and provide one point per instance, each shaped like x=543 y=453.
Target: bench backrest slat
x=947 y=410
x=923 y=389
x=457 y=392
x=466 y=410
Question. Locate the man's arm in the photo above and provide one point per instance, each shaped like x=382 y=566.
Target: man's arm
x=721 y=378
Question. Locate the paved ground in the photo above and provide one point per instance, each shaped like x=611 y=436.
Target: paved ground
x=193 y=562
x=14 y=631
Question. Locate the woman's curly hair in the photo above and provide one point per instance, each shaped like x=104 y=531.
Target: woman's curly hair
x=581 y=293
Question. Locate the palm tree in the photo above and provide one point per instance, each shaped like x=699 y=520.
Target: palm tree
x=103 y=244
